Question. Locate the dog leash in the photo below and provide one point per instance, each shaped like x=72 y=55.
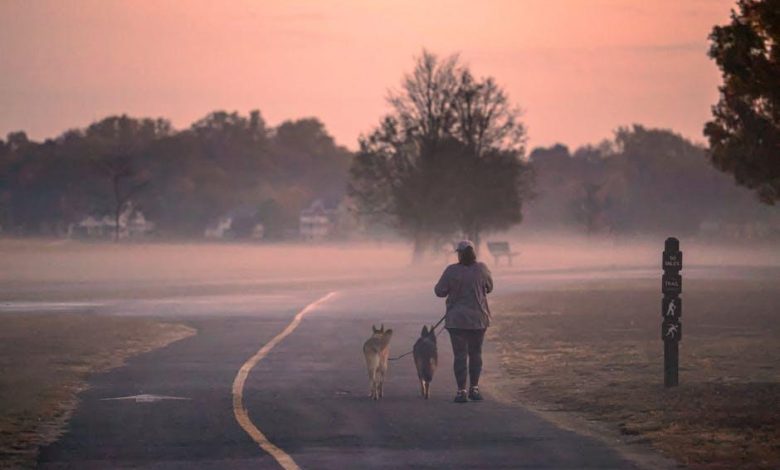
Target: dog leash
x=432 y=329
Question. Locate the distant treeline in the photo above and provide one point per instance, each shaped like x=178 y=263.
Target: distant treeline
x=183 y=180
x=644 y=181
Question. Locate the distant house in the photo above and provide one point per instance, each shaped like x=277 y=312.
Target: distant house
x=132 y=224
x=316 y=222
x=219 y=229
x=136 y=225
x=258 y=232
x=88 y=227
x=239 y=223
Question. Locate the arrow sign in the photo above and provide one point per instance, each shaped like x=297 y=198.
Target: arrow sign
x=146 y=398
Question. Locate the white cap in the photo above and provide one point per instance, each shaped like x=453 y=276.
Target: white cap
x=463 y=244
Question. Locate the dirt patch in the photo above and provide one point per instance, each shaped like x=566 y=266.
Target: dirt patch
x=45 y=360
x=594 y=349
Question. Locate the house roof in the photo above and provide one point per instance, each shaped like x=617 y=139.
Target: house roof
x=316 y=208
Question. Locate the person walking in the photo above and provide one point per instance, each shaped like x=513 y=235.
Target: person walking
x=466 y=285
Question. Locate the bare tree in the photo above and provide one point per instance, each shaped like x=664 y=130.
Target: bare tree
x=424 y=108
x=485 y=119
x=125 y=182
x=119 y=141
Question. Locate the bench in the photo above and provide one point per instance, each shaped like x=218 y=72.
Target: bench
x=499 y=249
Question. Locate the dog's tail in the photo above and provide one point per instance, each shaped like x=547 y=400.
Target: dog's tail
x=425 y=368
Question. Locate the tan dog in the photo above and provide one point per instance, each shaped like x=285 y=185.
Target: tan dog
x=377 y=350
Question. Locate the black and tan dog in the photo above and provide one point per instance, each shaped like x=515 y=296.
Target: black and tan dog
x=426 y=357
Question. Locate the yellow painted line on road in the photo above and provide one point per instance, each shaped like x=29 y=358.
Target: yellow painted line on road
x=282 y=457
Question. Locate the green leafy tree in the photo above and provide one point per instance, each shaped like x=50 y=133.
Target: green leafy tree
x=396 y=185
x=492 y=181
x=446 y=160
x=744 y=134
x=182 y=180
x=396 y=175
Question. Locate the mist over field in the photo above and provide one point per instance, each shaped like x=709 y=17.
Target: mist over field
x=62 y=269
x=221 y=223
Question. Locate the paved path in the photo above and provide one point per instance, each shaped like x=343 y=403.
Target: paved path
x=308 y=396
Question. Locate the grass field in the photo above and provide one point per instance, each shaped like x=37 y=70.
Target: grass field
x=45 y=360
x=594 y=350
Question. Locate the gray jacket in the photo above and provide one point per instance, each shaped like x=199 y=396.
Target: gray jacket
x=466 y=289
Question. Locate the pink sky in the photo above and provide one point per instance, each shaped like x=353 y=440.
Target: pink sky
x=579 y=68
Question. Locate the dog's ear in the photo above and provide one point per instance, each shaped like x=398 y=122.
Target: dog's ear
x=382 y=328
x=424 y=331
x=373 y=329
x=389 y=332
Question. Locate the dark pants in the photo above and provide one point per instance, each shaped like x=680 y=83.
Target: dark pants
x=467 y=349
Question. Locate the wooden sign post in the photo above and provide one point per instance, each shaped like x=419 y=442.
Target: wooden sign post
x=671 y=310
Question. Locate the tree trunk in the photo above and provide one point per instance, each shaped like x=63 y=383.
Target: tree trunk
x=117 y=209
x=116 y=224
x=420 y=244
x=474 y=235
x=477 y=240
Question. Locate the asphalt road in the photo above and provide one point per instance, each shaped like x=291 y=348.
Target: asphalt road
x=308 y=396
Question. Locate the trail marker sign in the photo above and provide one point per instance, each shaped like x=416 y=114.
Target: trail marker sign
x=672 y=261
x=671 y=284
x=671 y=309
x=671 y=331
